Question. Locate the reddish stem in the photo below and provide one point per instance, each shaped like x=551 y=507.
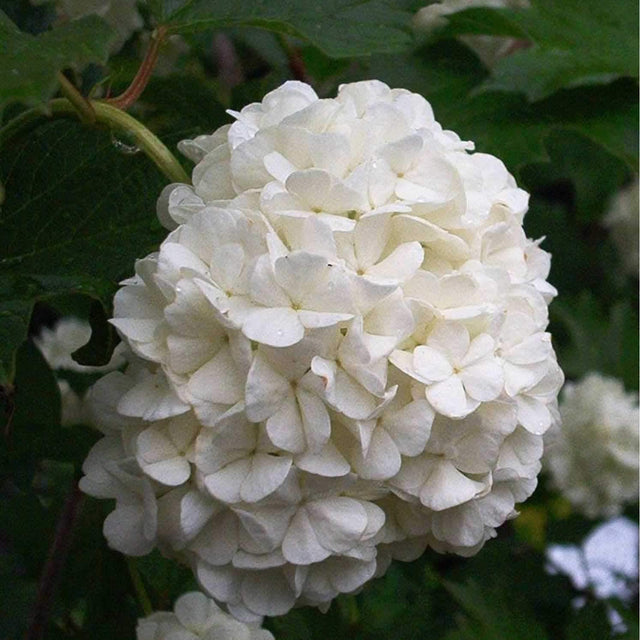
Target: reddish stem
x=54 y=564
x=138 y=84
x=297 y=66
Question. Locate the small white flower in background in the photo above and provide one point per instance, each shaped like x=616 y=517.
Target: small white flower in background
x=196 y=617
x=623 y=222
x=593 y=456
x=122 y=15
x=56 y=345
x=488 y=48
x=339 y=353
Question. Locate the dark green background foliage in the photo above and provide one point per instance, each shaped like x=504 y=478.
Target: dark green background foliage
x=76 y=212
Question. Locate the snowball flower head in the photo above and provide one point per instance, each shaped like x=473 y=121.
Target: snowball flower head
x=623 y=221
x=339 y=353
x=488 y=48
x=196 y=617
x=593 y=456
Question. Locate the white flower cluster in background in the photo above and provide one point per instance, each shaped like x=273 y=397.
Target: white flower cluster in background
x=122 y=15
x=623 y=222
x=340 y=353
x=56 y=345
x=593 y=456
x=488 y=48
x=196 y=617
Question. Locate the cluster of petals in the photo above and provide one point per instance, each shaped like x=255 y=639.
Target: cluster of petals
x=488 y=48
x=623 y=221
x=339 y=353
x=592 y=457
x=57 y=345
x=196 y=617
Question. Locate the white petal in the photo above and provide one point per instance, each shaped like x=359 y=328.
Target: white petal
x=480 y=347
x=301 y=544
x=226 y=483
x=327 y=462
x=451 y=338
x=267 y=593
x=382 y=460
x=218 y=541
x=400 y=265
x=172 y=471
x=484 y=380
x=410 y=427
x=449 y=398
x=277 y=327
x=219 y=380
x=338 y=522
x=267 y=473
x=431 y=365
x=194 y=609
x=265 y=390
x=446 y=487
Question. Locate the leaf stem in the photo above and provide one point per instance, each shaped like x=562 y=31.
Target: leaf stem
x=296 y=63
x=55 y=563
x=86 y=114
x=138 y=585
x=110 y=116
x=138 y=84
x=152 y=146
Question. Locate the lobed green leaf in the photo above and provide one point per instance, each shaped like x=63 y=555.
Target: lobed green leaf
x=77 y=214
x=339 y=28
x=29 y=64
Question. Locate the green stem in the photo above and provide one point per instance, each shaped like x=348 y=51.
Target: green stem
x=86 y=114
x=112 y=117
x=141 y=592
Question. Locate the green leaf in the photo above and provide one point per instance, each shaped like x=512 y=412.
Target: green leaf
x=493 y=615
x=29 y=64
x=339 y=28
x=598 y=341
x=77 y=214
x=505 y=124
x=594 y=174
x=37 y=400
x=18 y=294
x=103 y=339
x=590 y=621
x=446 y=74
x=575 y=43
x=167 y=580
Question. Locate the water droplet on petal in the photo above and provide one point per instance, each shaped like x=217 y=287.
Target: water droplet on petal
x=124 y=142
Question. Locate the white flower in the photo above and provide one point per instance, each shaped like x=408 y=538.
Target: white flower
x=339 y=353
x=57 y=344
x=122 y=15
x=593 y=455
x=458 y=372
x=195 y=616
x=488 y=48
x=622 y=220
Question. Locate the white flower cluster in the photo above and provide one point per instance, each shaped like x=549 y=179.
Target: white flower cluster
x=122 y=15
x=623 y=221
x=593 y=456
x=196 y=617
x=341 y=353
x=488 y=48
